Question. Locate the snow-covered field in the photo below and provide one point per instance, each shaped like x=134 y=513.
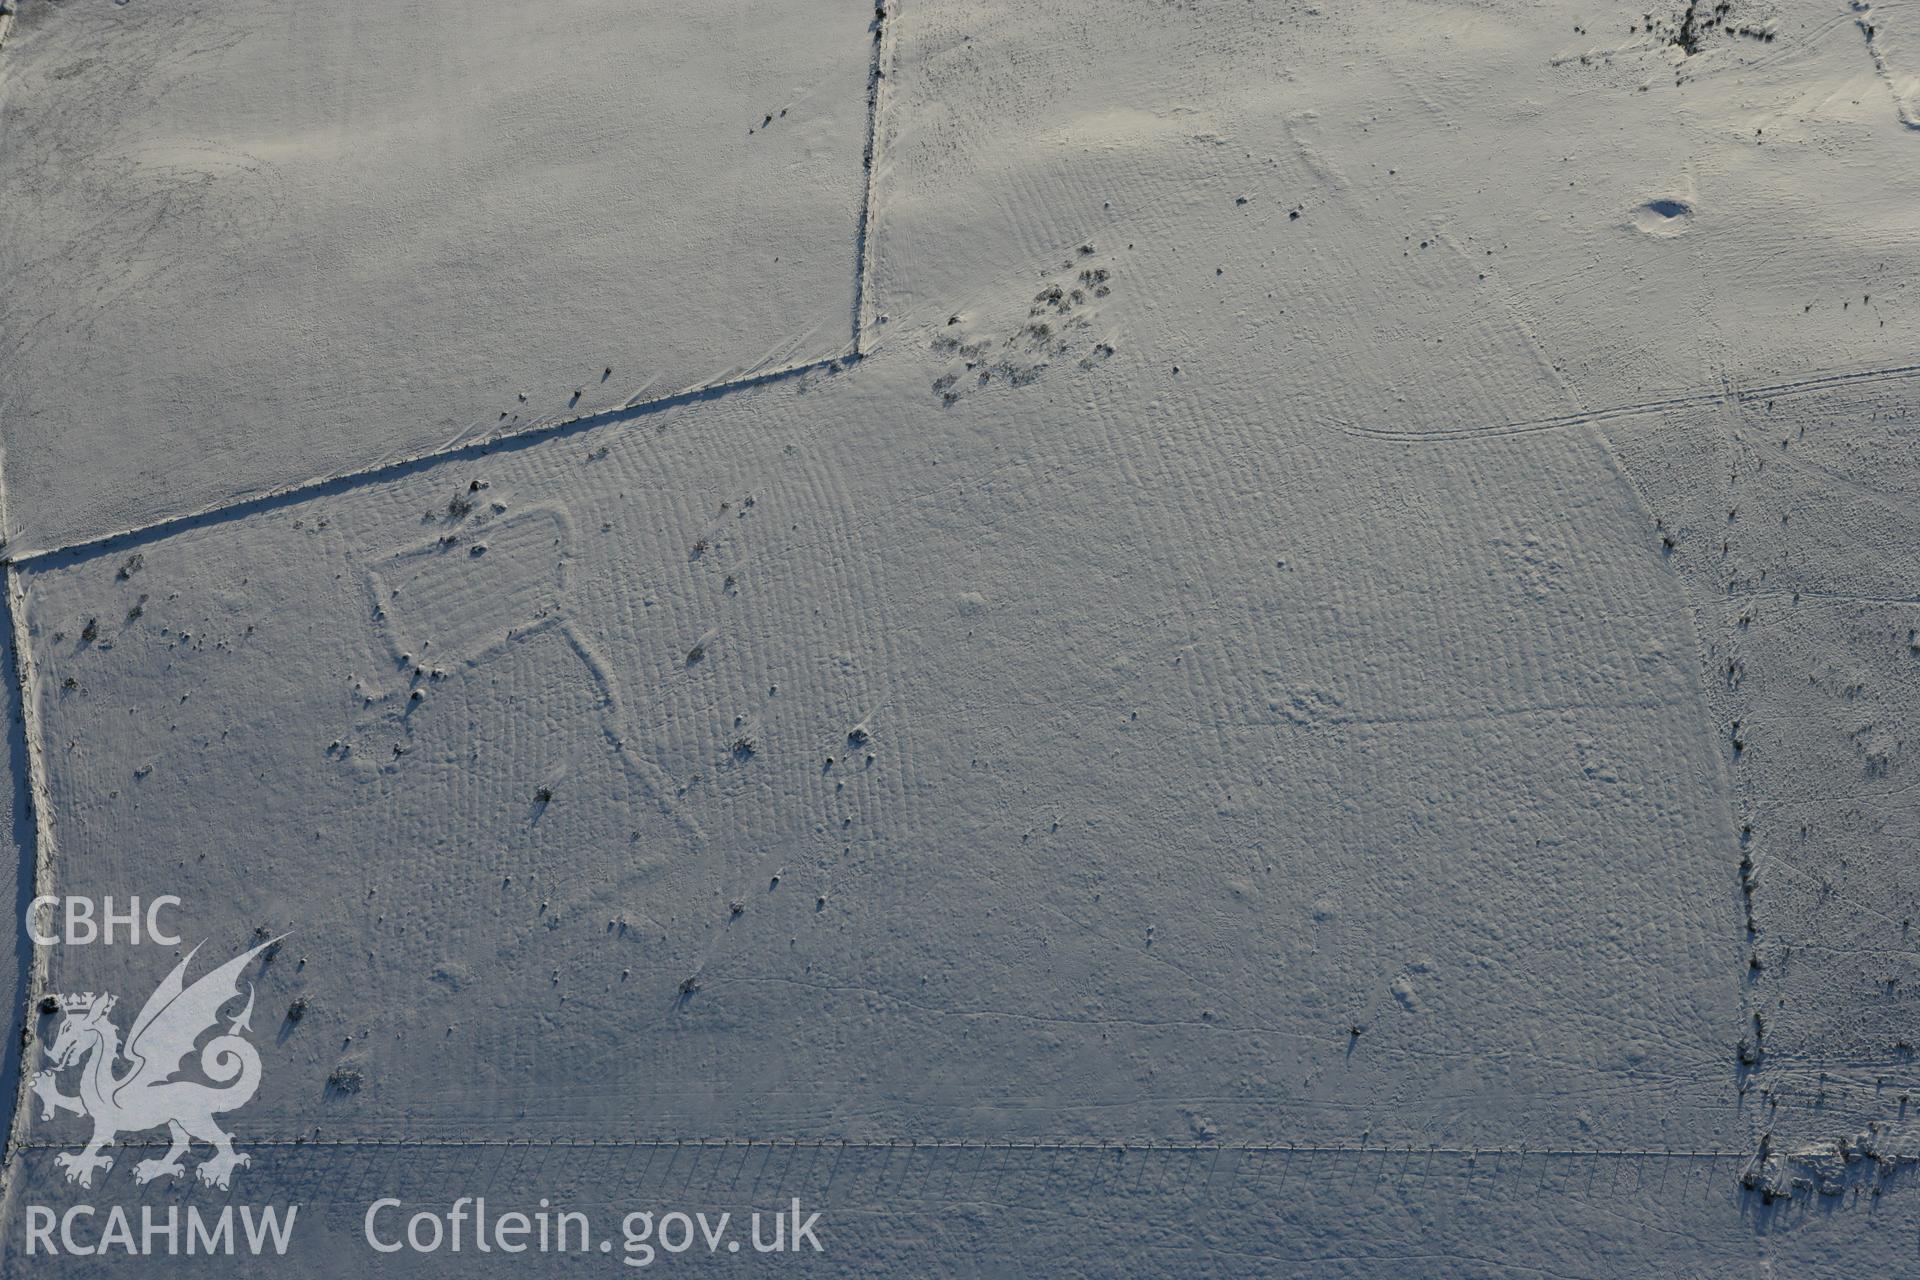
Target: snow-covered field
x=1143 y=639
x=251 y=243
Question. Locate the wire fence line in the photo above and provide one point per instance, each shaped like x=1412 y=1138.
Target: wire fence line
x=1049 y=1145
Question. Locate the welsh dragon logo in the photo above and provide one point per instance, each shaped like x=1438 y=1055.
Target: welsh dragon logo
x=146 y=1094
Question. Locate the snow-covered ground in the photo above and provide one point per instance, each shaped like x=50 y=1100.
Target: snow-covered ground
x=1182 y=638
x=250 y=243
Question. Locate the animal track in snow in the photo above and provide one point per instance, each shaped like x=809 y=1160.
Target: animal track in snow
x=1058 y=328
